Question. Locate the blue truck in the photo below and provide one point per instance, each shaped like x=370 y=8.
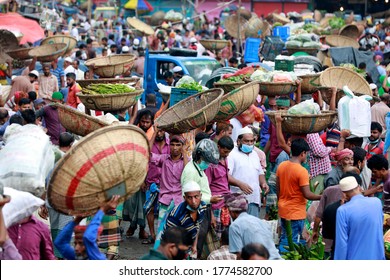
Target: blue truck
x=156 y=64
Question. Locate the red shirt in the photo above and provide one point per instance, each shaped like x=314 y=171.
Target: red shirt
x=73 y=99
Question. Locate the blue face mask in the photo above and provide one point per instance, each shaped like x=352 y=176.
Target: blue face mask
x=203 y=165
x=246 y=148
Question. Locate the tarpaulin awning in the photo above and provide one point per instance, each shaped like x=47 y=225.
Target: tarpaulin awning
x=16 y=23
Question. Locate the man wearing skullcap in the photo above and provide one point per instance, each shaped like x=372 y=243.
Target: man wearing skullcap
x=344 y=159
x=85 y=244
x=353 y=243
x=190 y=213
x=50 y=113
x=244 y=165
x=246 y=229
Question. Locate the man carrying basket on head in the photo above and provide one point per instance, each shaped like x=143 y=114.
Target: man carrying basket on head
x=85 y=244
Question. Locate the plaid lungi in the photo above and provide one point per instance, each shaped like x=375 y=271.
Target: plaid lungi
x=108 y=241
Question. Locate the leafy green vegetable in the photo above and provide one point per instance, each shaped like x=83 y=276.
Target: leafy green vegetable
x=107 y=89
x=235 y=79
x=192 y=85
x=336 y=23
x=354 y=68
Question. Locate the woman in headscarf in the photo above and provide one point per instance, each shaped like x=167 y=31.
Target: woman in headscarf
x=344 y=159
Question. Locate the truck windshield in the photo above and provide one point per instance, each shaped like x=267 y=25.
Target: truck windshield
x=201 y=70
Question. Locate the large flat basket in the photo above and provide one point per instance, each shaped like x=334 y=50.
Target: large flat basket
x=304 y=124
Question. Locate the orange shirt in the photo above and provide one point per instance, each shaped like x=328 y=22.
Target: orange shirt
x=73 y=100
x=292 y=204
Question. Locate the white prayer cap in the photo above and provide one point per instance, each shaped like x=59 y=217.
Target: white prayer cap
x=177 y=69
x=373 y=86
x=191 y=186
x=348 y=183
x=245 y=130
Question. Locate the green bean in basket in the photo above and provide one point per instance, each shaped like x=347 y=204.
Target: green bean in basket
x=108 y=89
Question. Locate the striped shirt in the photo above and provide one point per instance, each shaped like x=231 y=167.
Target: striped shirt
x=58 y=73
x=180 y=216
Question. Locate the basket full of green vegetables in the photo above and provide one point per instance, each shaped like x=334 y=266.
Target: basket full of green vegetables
x=235 y=80
x=109 y=97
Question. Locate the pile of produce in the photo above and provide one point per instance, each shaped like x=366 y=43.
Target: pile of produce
x=354 y=68
x=307 y=107
x=336 y=23
x=274 y=76
x=303 y=41
x=238 y=76
x=108 y=89
x=187 y=82
x=173 y=16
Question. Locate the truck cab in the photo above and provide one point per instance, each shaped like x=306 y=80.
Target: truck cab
x=156 y=64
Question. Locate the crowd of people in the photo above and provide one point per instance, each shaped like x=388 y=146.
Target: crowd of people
x=239 y=191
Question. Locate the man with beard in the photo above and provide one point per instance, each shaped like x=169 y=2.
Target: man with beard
x=73 y=100
x=133 y=208
x=48 y=83
x=375 y=145
x=50 y=113
x=175 y=242
x=85 y=239
x=244 y=165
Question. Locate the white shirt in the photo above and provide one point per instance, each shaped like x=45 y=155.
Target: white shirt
x=246 y=168
x=75 y=33
x=236 y=128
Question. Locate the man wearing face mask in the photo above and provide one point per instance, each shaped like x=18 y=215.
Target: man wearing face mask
x=205 y=152
x=189 y=214
x=244 y=165
x=175 y=242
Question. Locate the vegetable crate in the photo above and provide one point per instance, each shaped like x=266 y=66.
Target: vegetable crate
x=271 y=47
x=252 y=50
x=284 y=64
x=282 y=31
x=178 y=94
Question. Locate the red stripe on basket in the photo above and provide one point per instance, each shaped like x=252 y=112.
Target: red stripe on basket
x=95 y=159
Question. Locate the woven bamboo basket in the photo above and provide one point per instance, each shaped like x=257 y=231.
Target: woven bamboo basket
x=70 y=41
x=326 y=93
x=85 y=83
x=228 y=87
x=280 y=19
x=231 y=25
x=48 y=53
x=8 y=40
x=311 y=51
x=214 y=45
x=110 y=102
x=77 y=122
x=341 y=76
x=341 y=41
x=21 y=53
x=237 y=101
x=350 y=30
x=110 y=161
x=111 y=66
x=304 y=124
x=310 y=82
x=193 y=112
x=274 y=89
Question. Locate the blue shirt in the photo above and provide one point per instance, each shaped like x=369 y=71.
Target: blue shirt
x=359 y=230
x=180 y=217
x=62 y=241
x=248 y=229
x=58 y=73
x=264 y=134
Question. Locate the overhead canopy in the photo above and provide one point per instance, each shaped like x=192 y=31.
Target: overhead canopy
x=17 y=24
x=141 y=5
